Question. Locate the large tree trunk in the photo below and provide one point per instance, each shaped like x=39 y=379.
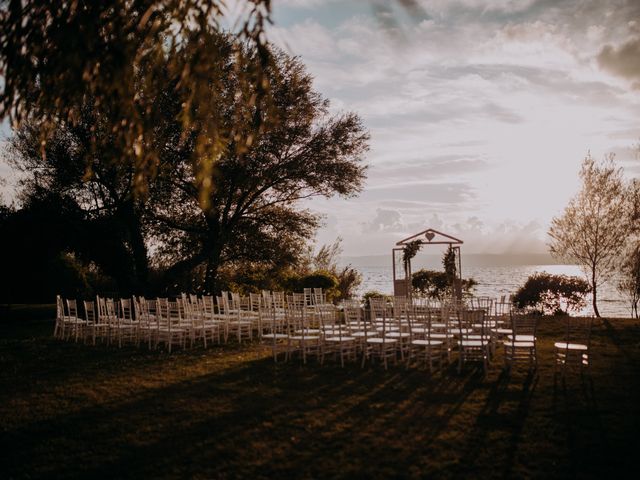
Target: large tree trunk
x=132 y=223
x=211 y=276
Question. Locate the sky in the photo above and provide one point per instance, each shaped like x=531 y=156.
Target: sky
x=480 y=111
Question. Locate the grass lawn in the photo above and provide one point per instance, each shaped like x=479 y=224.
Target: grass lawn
x=69 y=410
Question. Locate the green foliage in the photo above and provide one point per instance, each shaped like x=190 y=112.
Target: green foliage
x=316 y=279
x=55 y=54
x=253 y=215
x=554 y=294
x=327 y=259
x=319 y=279
x=449 y=264
x=410 y=250
x=349 y=279
x=373 y=294
x=437 y=285
x=108 y=225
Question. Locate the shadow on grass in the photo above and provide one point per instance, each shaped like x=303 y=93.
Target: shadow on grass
x=72 y=411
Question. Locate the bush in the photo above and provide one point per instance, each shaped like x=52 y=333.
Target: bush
x=372 y=294
x=318 y=279
x=349 y=279
x=431 y=283
x=557 y=294
x=435 y=284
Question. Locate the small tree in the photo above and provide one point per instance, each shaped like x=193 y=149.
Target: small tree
x=590 y=230
x=629 y=285
x=552 y=293
x=326 y=258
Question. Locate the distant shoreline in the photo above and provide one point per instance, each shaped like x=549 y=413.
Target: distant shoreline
x=470 y=260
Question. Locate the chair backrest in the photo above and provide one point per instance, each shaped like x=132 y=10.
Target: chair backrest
x=578 y=330
x=378 y=307
x=208 y=306
x=308 y=296
x=524 y=325
x=89 y=311
x=352 y=313
x=141 y=309
x=59 y=307
x=163 y=315
x=379 y=312
x=298 y=300
x=236 y=301
x=326 y=319
x=126 y=312
x=319 y=298
x=255 y=302
x=482 y=303
x=72 y=308
x=472 y=323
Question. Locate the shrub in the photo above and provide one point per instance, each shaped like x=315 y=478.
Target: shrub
x=555 y=294
x=435 y=284
x=318 y=279
x=372 y=294
x=349 y=279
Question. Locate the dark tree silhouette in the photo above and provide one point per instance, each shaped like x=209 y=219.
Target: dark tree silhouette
x=253 y=213
x=54 y=55
x=75 y=167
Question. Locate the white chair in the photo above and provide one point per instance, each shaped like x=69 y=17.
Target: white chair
x=520 y=344
x=63 y=320
x=304 y=339
x=168 y=321
x=93 y=328
x=473 y=340
x=275 y=332
x=432 y=350
x=574 y=351
x=337 y=339
x=238 y=322
x=381 y=347
x=75 y=323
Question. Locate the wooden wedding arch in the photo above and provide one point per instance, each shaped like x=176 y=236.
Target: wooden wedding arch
x=402 y=270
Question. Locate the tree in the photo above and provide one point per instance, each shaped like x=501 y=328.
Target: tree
x=629 y=282
x=76 y=164
x=54 y=55
x=326 y=258
x=253 y=214
x=555 y=293
x=592 y=228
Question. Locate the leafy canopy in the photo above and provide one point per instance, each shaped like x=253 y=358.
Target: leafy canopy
x=253 y=214
x=592 y=229
x=552 y=293
x=56 y=55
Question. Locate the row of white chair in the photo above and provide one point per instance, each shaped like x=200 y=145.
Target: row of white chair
x=162 y=321
x=306 y=326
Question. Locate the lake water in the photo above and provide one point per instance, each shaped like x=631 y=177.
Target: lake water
x=505 y=280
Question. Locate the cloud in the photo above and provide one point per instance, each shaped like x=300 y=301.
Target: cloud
x=623 y=60
x=385 y=220
x=450 y=195
x=486 y=109
x=428 y=168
